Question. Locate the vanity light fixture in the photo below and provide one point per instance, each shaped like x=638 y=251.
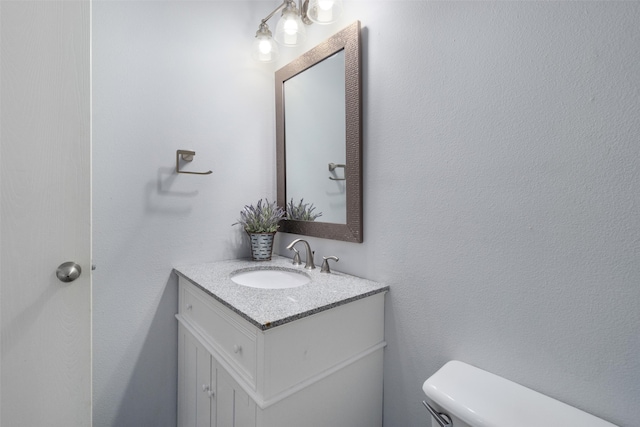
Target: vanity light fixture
x=324 y=11
x=290 y=30
x=264 y=47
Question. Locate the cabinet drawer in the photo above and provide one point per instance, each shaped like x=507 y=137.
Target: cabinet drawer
x=228 y=333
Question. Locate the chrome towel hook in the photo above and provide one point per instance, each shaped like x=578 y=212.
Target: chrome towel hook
x=187 y=156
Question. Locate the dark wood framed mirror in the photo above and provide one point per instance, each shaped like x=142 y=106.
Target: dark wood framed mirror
x=319 y=137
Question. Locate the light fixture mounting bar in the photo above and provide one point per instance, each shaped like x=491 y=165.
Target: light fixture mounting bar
x=302 y=6
x=284 y=3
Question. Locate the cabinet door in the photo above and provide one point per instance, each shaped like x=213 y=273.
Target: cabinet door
x=204 y=386
x=234 y=407
x=196 y=383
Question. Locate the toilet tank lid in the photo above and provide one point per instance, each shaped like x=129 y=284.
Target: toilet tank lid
x=480 y=398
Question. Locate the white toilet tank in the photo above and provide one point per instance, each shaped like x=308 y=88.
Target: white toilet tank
x=472 y=397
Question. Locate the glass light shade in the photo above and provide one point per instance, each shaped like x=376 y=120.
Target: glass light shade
x=324 y=11
x=290 y=30
x=264 y=49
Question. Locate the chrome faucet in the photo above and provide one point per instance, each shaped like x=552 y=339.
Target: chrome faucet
x=309 y=260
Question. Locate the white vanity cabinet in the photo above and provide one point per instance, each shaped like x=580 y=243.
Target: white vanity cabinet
x=322 y=369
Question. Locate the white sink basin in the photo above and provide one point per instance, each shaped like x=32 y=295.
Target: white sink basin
x=270 y=278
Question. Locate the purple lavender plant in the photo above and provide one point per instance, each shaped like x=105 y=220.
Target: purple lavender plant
x=261 y=218
x=302 y=211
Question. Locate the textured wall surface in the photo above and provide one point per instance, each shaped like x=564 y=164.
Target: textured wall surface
x=167 y=76
x=501 y=168
x=501 y=176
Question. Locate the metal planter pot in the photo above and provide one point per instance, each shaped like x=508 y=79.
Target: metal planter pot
x=261 y=246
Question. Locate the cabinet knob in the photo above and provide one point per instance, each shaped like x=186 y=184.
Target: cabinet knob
x=189 y=306
x=237 y=348
x=207 y=389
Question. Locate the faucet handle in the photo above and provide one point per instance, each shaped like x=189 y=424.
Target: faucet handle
x=296 y=257
x=325 y=264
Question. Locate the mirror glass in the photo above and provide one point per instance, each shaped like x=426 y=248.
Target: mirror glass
x=315 y=132
x=319 y=143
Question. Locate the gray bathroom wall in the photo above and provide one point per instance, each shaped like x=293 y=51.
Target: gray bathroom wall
x=167 y=75
x=501 y=177
x=501 y=164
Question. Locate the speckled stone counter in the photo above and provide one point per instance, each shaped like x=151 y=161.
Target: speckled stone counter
x=268 y=308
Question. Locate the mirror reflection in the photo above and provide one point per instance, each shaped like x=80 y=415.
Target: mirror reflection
x=315 y=132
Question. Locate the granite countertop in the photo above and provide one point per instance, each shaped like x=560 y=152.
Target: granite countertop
x=268 y=308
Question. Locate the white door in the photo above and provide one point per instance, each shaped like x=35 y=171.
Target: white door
x=45 y=213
